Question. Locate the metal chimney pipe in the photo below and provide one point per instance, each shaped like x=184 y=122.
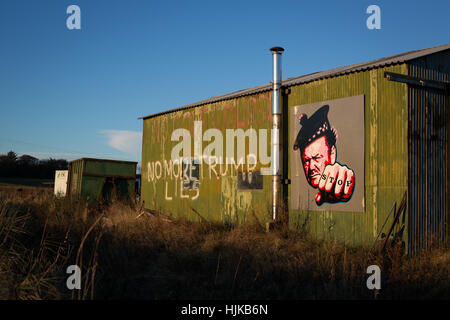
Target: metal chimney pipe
x=276 y=127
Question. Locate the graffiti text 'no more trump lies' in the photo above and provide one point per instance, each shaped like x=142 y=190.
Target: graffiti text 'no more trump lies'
x=217 y=159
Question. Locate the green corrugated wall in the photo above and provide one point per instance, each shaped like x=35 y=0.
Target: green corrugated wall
x=386 y=154
x=218 y=199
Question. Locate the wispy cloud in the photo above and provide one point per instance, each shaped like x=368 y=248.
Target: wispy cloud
x=129 y=142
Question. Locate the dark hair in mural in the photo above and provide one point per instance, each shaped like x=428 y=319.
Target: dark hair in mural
x=335 y=181
x=315 y=127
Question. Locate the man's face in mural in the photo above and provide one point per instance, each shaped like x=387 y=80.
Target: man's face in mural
x=316 y=156
x=316 y=141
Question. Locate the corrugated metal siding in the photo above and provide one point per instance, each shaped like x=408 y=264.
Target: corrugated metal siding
x=428 y=153
x=75 y=177
x=219 y=198
x=385 y=152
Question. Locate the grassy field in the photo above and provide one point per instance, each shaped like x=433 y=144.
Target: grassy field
x=124 y=255
x=26 y=182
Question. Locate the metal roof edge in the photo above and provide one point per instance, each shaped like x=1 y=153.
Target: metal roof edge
x=390 y=60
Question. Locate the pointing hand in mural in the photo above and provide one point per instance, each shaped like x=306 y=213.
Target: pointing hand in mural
x=317 y=143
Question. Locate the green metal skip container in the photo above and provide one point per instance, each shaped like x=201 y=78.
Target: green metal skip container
x=101 y=179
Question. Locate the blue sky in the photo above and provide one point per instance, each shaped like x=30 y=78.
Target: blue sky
x=73 y=93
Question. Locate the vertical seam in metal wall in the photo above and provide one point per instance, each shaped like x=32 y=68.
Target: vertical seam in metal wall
x=409 y=176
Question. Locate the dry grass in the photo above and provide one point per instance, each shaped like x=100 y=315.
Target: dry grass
x=123 y=256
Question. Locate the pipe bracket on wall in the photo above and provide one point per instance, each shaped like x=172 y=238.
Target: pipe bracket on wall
x=440 y=85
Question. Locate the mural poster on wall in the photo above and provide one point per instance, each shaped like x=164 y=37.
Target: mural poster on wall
x=327 y=155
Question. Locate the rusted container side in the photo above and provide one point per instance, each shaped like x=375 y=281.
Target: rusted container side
x=75 y=177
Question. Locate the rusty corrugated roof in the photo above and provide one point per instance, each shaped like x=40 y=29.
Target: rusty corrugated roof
x=395 y=59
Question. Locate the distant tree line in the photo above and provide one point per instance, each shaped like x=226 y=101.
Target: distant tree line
x=29 y=167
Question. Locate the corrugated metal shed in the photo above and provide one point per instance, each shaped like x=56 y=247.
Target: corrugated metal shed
x=395 y=111
x=98 y=179
x=387 y=61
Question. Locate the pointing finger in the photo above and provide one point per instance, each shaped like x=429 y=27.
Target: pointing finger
x=340 y=183
x=349 y=184
x=324 y=178
x=334 y=170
